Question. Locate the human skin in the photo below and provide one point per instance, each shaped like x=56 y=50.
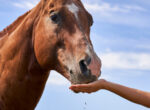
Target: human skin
x=133 y=95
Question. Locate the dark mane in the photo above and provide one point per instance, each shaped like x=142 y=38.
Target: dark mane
x=13 y=26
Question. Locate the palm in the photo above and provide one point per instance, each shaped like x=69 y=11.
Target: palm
x=88 y=88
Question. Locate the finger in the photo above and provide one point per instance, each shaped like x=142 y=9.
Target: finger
x=72 y=87
x=76 y=92
x=76 y=89
x=82 y=89
x=80 y=86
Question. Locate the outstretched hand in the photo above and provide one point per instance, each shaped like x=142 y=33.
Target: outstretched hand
x=131 y=94
x=88 y=88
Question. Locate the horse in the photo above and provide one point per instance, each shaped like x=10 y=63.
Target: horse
x=54 y=35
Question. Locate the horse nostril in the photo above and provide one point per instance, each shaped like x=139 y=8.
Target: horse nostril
x=88 y=60
x=71 y=72
x=84 y=68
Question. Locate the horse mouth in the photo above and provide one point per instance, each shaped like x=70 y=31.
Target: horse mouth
x=82 y=79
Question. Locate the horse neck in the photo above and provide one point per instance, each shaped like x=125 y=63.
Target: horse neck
x=19 y=67
x=9 y=29
x=18 y=41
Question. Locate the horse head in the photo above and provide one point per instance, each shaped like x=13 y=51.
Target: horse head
x=62 y=41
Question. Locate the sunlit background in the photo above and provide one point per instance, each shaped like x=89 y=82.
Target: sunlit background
x=121 y=38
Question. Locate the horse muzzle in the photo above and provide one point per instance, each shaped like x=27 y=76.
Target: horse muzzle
x=89 y=69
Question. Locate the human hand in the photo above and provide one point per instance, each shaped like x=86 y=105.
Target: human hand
x=88 y=88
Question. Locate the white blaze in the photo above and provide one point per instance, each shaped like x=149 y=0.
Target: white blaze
x=73 y=9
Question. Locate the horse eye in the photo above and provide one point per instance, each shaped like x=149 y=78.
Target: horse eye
x=55 y=18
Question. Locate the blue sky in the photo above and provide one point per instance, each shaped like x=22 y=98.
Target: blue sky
x=121 y=38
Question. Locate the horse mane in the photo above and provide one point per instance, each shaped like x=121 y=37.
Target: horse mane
x=9 y=29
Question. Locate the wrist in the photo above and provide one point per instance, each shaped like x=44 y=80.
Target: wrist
x=105 y=84
x=102 y=84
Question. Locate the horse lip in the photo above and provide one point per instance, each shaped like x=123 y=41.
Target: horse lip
x=82 y=79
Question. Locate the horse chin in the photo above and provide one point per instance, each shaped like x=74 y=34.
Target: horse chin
x=81 y=79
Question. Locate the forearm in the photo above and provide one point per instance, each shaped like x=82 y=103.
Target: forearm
x=134 y=95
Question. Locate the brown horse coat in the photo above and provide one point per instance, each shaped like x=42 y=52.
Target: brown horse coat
x=22 y=72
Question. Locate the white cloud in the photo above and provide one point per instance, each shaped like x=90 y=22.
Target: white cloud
x=143 y=46
x=124 y=14
x=56 y=79
x=26 y=4
x=138 y=61
x=106 y=76
x=104 y=11
x=105 y=7
x=110 y=60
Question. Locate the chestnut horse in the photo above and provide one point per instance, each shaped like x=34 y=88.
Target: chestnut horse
x=55 y=35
